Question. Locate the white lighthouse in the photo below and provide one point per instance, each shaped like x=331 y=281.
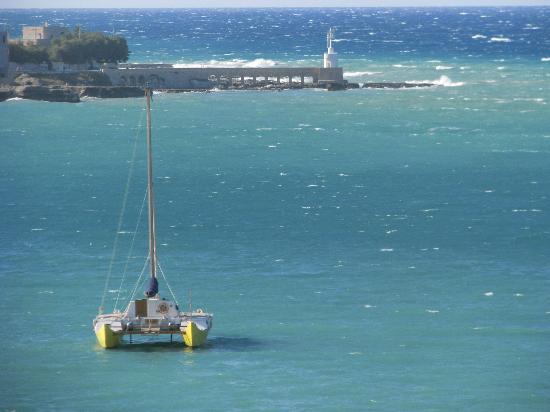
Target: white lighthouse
x=331 y=57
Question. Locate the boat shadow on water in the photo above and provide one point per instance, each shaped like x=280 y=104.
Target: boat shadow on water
x=216 y=343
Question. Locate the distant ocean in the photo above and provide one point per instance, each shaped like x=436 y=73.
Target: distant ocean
x=382 y=250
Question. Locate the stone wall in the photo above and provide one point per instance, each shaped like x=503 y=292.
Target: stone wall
x=169 y=77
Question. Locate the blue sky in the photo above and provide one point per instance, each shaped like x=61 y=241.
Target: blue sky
x=260 y=3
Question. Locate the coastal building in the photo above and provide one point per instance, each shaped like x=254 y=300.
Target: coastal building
x=4 y=50
x=42 y=35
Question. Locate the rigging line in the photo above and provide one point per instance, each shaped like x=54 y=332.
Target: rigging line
x=167 y=284
x=139 y=278
x=121 y=215
x=131 y=248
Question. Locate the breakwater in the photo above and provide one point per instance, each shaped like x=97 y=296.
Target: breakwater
x=168 y=76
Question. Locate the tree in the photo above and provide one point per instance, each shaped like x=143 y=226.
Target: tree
x=21 y=54
x=78 y=48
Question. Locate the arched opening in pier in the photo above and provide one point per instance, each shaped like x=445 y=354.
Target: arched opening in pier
x=154 y=81
x=132 y=81
x=141 y=81
x=123 y=81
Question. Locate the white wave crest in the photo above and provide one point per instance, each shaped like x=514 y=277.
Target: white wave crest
x=500 y=40
x=545 y=59
x=230 y=63
x=359 y=74
x=442 y=81
x=479 y=36
x=443 y=67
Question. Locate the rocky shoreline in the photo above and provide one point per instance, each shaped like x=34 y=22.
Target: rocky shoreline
x=72 y=87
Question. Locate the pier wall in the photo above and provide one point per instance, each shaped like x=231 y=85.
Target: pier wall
x=169 y=77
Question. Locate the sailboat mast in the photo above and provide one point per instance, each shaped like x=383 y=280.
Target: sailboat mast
x=150 y=193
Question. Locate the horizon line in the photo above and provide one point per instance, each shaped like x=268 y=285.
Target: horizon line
x=281 y=7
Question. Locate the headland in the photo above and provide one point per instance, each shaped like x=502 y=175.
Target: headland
x=26 y=76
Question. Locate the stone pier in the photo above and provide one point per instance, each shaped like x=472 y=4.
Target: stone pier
x=166 y=76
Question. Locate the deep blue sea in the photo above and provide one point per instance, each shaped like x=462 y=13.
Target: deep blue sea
x=382 y=250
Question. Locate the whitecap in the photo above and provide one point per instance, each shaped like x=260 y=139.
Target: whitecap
x=386 y=250
x=229 y=63
x=443 y=67
x=432 y=311
x=442 y=81
x=359 y=74
x=479 y=36
x=545 y=59
x=500 y=40
x=488 y=293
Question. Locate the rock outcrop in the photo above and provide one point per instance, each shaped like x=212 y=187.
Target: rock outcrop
x=49 y=94
x=6 y=94
x=111 y=91
x=84 y=78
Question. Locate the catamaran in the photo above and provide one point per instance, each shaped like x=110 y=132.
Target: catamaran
x=152 y=315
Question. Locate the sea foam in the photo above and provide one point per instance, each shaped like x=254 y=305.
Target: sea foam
x=500 y=40
x=230 y=63
x=442 y=81
x=359 y=74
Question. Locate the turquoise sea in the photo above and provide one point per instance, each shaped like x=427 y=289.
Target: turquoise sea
x=382 y=250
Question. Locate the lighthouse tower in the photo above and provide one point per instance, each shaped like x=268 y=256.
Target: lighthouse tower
x=331 y=57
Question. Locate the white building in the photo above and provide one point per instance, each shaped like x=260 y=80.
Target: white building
x=331 y=57
x=42 y=35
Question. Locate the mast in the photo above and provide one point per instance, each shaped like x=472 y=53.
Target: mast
x=150 y=193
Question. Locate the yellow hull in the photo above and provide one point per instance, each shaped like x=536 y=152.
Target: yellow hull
x=193 y=336
x=106 y=337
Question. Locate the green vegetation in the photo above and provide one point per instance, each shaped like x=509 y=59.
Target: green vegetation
x=20 y=53
x=74 y=48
